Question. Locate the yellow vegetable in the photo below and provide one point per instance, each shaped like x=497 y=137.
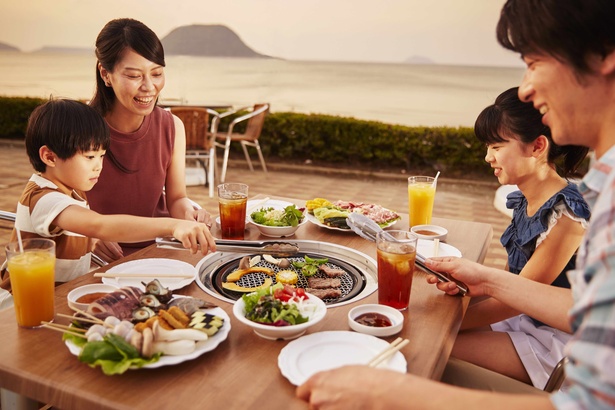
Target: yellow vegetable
x=287 y=276
x=235 y=276
x=237 y=288
x=316 y=203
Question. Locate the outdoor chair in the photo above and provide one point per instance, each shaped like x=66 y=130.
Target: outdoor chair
x=255 y=120
x=201 y=126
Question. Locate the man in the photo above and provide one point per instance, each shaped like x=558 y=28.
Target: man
x=569 y=49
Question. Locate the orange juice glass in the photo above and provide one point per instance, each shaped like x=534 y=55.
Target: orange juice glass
x=32 y=274
x=421 y=194
x=396 y=252
x=232 y=201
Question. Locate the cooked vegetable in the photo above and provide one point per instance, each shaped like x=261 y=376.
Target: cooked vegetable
x=236 y=275
x=237 y=288
x=287 y=277
x=309 y=266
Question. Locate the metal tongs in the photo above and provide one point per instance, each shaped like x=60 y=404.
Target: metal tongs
x=274 y=248
x=368 y=229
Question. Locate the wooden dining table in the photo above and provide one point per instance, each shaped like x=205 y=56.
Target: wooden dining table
x=242 y=371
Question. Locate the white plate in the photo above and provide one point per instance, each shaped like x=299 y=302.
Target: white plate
x=425 y=247
x=153 y=266
x=201 y=347
x=315 y=221
x=303 y=357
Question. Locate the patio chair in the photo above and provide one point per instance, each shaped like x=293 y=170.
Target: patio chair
x=201 y=126
x=255 y=120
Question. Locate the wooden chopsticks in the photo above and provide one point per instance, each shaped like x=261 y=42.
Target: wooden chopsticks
x=387 y=353
x=142 y=275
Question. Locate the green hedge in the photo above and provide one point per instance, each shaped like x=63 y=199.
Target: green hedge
x=332 y=140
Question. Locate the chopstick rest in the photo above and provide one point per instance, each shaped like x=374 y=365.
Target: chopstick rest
x=387 y=353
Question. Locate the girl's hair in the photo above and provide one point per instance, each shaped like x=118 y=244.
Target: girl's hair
x=568 y=30
x=511 y=117
x=115 y=37
x=66 y=127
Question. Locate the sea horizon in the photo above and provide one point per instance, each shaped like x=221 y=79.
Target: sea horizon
x=396 y=93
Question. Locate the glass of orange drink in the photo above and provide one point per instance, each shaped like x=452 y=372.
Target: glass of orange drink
x=396 y=253
x=421 y=194
x=232 y=201
x=31 y=269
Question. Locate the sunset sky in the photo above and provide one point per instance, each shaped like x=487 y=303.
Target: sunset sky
x=445 y=31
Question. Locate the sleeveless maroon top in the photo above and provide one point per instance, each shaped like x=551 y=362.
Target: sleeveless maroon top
x=146 y=153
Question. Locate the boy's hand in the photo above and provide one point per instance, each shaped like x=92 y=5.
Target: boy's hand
x=194 y=234
x=107 y=251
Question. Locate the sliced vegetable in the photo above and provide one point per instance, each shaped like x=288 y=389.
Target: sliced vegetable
x=237 y=288
x=309 y=266
x=287 y=277
x=238 y=274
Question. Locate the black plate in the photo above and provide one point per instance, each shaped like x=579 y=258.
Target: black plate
x=353 y=281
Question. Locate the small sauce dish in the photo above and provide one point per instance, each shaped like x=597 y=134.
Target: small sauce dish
x=372 y=319
x=430 y=232
x=81 y=297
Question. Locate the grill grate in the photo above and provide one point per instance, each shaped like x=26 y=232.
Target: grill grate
x=352 y=281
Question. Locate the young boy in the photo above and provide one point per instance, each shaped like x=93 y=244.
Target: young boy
x=66 y=141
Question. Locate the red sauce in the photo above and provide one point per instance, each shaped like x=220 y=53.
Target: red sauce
x=90 y=297
x=373 y=319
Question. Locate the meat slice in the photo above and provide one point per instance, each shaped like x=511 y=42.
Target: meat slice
x=329 y=293
x=332 y=272
x=324 y=283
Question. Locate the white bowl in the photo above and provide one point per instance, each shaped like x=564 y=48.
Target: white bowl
x=278 y=231
x=76 y=293
x=394 y=315
x=281 y=332
x=430 y=232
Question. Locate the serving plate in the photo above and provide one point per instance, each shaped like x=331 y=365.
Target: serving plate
x=156 y=266
x=425 y=247
x=310 y=354
x=315 y=221
x=201 y=347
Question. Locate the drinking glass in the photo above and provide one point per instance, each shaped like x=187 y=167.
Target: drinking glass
x=31 y=271
x=232 y=201
x=421 y=194
x=396 y=255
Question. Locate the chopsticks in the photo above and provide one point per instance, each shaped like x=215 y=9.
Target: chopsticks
x=387 y=353
x=142 y=275
x=436 y=247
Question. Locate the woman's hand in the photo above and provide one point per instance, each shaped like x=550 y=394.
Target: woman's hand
x=194 y=234
x=199 y=215
x=107 y=251
x=471 y=273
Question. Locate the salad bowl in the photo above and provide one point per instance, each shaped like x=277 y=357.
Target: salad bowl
x=275 y=224
x=271 y=332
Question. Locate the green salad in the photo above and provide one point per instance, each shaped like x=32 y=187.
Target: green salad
x=289 y=216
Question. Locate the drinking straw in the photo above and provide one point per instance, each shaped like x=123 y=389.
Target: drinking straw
x=19 y=240
x=435 y=180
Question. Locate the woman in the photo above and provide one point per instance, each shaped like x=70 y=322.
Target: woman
x=145 y=171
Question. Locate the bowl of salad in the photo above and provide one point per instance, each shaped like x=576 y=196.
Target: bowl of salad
x=280 y=312
x=278 y=221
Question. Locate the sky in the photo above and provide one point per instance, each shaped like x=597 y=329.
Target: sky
x=460 y=32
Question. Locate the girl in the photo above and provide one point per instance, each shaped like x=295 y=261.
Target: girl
x=145 y=174
x=549 y=220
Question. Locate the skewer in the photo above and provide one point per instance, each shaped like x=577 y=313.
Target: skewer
x=387 y=353
x=87 y=315
x=52 y=326
x=59 y=326
x=83 y=319
x=142 y=275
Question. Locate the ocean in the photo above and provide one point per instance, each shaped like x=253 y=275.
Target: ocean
x=414 y=95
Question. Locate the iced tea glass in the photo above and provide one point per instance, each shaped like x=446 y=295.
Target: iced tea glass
x=232 y=201
x=421 y=194
x=32 y=271
x=396 y=255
